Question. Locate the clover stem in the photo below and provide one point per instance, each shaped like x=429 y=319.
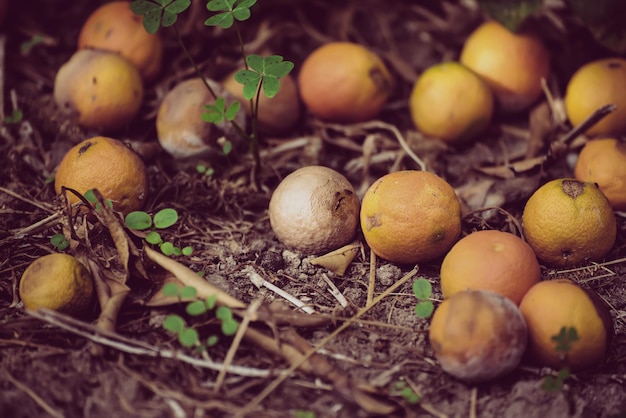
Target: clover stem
x=250 y=138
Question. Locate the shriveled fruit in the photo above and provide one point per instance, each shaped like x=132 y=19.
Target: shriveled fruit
x=108 y=165
x=450 y=102
x=410 y=216
x=596 y=84
x=182 y=132
x=478 y=335
x=603 y=161
x=314 y=210
x=277 y=115
x=568 y=222
x=58 y=282
x=344 y=82
x=490 y=260
x=114 y=27
x=552 y=305
x=512 y=64
x=102 y=89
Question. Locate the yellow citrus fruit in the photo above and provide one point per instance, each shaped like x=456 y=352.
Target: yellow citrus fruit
x=478 y=335
x=596 y=84
x=101 y=88
x=568 y=222
x=551 y=305
x=58 y=282
x=344 y=82
x=490 y=260
x=603 y=161
x=410 y=216
x=450 y=102
x=114 y=27
x=108 y=165
x=512 y=64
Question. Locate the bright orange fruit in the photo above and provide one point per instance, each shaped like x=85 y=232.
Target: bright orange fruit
x=491 y=260
x=552 y=305
x=410 y=216
x=603 y=161
x=108 y=165
x=344 y=82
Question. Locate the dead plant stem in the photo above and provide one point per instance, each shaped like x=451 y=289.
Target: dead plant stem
x=305 y=356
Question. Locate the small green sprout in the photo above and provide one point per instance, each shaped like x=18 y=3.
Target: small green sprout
x=159 y=13
x=15 y=117
x=564 y=341
x=26 y=46
x=188 y=336
x=304 y=414
x=203 y=169
x=400 y=388
x=422 y=289
x=59 y=242
x=231 y=10
x=90 y=196
x=140 y=221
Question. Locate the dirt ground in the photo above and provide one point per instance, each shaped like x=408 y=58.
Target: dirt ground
x=53 y=365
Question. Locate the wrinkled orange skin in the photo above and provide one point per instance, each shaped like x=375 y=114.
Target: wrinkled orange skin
x=478 y=335
x=568 y=222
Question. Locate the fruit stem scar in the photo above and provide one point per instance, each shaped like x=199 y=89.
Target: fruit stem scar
x=373 y=221
x=379 y=79
x=85 y=147
x=614 y=64
x=572 y=188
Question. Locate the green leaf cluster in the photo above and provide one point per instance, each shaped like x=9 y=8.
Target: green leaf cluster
x=90 y=196
x=15 y=117
x=217 y=112
x=422 y=289
x=187 y=335
x=59 y=242
x=564 y=341
x=140 y=221
x=402 y=389
x=263 y=72
x=511 y=13
x=157 y=13
x=229 y=12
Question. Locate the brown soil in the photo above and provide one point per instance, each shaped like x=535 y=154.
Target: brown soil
x=52 y=365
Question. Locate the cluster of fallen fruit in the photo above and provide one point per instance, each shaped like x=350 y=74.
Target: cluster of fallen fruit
x=495 y=306
x=494 y=302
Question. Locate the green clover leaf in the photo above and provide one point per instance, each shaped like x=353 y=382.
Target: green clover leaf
x=157 y=13
x=231 y=10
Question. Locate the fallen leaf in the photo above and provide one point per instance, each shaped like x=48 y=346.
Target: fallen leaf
x=338 y=260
